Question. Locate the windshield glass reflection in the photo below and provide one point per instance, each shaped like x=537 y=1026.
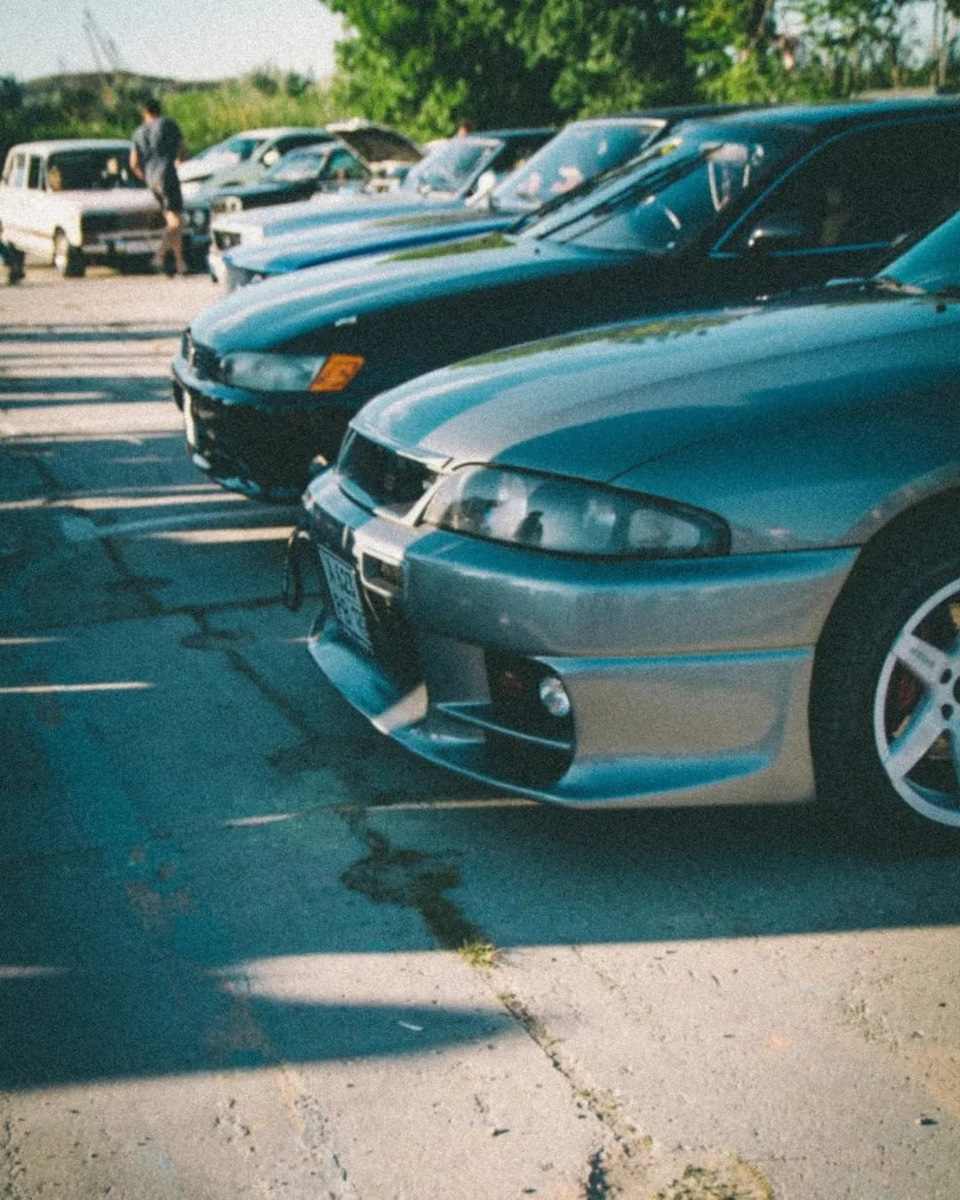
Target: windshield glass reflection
x=674 y=193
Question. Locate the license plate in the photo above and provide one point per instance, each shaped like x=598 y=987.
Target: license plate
x=346 y=599
x=135 y=246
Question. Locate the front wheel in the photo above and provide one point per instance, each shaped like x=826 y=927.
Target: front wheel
x=68 y=259
x=886 y=703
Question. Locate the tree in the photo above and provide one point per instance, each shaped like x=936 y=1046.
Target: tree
x=507 y=62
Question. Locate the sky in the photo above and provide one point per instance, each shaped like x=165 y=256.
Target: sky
x=180 y=39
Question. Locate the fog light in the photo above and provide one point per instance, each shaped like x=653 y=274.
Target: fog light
x=553 y=696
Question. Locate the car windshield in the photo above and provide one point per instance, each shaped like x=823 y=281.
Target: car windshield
x=578 y=153
x=675 y=192
x=235 y=149
x=90 y=170
x=451 y=167
x=932 y=265
x=297 y=168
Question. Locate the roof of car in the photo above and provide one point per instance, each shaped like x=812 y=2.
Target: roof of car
x=839 y=113
x=53 y=145
x=273 y=131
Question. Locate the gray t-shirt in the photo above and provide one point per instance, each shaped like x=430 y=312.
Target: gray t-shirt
x=158 y=142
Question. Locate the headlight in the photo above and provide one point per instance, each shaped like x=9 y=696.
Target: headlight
x=565 y=516
x=289 y=372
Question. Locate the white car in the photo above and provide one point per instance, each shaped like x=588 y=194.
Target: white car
x=73 y=201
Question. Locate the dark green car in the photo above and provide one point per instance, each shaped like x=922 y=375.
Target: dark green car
x=718 y=212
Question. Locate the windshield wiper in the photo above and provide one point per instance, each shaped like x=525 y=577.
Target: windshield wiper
x=889 y=283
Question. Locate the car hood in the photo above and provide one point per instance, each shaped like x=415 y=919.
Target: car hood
x=278 y=310
x=597 y=404
x=91 y=200
x=378 y=146
x=321 y=209
x=249 y=191
x=370 y=235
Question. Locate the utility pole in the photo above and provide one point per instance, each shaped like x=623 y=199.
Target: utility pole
x=106 y=56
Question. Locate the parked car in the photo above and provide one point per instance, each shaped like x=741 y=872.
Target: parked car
x=76 y=201
x=712 y=558
x=582 y=151
x=347 y=154
x=461 y=169
x=243 y=157
x=721 y=211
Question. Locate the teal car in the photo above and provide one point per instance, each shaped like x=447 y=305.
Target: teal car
x=712 y=558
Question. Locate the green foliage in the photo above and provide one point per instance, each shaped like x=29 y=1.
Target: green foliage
x=263 y=98
x=505 y=62
x=91 y=106
x=423 y=66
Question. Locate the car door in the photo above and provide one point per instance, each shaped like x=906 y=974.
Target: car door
x=12 y=192
x=843 y=209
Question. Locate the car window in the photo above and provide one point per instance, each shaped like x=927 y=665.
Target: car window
x=237 y=149
x=88 y=170
x=344 y=165
x=516 y=152
x=867 y=187
x=577 y=153
x=683 y=192
x=17 y=171
x=34 y=171
x=294 y=141
x=451 y=167
x=296 y=168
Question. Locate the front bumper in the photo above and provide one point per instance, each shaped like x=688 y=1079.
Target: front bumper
x=252 y=445
x=688 y=681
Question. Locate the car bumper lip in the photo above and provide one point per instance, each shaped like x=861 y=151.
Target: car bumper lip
x=689 y=684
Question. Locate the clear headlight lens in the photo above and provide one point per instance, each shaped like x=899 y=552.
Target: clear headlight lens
x=565 y=516
x=289 y=372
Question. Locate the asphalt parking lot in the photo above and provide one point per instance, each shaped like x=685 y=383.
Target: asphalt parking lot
x=251 y=948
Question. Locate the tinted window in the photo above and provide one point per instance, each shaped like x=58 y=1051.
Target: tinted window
x=85 y=170
x=451 y=167
x=344 y=165
x=578 y=153
x=864 y=188
x=672 y=202
x=294 y=141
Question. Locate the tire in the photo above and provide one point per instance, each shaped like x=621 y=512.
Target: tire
x=68 y=259
x=885 y=716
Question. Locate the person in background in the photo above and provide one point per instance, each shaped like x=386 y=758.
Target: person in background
x=157 y=149
x=12 y=259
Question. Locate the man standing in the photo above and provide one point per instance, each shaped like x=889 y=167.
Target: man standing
x=157 y=148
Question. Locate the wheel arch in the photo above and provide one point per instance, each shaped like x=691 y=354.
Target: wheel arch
x=915 y=552
x=934 y=516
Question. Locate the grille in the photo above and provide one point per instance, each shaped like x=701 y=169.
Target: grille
x=383 y=475
x=135 y=222
x=226 y=241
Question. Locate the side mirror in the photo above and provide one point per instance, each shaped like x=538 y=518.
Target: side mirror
x=271 y=157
